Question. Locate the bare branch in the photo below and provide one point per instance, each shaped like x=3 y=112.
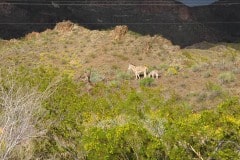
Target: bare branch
x=197 y=153
x=20 y=109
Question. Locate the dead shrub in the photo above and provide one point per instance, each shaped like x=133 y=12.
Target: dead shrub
x=65 y=26
x=32 y=35
x=119 y=32
x=20 y=113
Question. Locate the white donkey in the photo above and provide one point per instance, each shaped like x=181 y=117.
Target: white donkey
x=138 y=70
x=153 y=74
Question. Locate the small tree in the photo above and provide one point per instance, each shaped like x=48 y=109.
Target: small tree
x=20 y=109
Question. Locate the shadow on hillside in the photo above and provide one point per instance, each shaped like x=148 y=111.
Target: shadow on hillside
x=11 y=31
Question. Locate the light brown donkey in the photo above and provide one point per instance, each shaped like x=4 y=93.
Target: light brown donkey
x=138 y=70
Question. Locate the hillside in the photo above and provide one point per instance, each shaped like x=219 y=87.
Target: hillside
x=49 y=110
x=186 y=72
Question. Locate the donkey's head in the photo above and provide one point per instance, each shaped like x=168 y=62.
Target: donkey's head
x=130 y=66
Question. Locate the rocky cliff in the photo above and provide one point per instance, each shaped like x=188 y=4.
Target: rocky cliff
x=222 y=17
x=172 y=19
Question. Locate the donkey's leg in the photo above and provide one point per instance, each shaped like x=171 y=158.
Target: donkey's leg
x=136 y=75
x=139 y=76
x=145 y=74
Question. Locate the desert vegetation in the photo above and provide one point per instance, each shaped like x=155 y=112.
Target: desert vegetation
x=47 y=110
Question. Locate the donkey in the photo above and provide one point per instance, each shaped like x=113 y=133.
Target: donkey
x=153 y=74
x=138 y=70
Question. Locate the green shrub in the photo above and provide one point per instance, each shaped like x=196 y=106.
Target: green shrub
x=226 y=77
x=123 y=76
x=196 y=68
x=187 y=54
x=214 y=90
x=96 y=77
x=163 y=67
x=236 y=70
x=202 y=97
x=210 y=86
x=146 y=82
x=172 y=71
x=206 y=74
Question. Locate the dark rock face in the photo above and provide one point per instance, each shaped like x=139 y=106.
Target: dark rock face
x=175 y=21
x=226 y=14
